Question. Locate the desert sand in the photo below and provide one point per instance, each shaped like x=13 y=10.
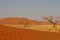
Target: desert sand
x=31 y=24
x=13 y=33
x=10 y=33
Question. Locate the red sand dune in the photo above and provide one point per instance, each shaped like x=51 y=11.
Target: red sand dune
x=23 y=21
x=18 y=21
x=10 y=33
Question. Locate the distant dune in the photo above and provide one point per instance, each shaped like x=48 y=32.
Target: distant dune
x=22 y=21
x=10 y=33
x=19 y=21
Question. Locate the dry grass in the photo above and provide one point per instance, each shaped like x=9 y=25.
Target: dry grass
x=38 y=27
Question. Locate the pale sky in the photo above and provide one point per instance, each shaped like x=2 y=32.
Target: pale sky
x=33 y=9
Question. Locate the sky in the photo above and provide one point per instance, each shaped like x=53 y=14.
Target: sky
x=33 y=9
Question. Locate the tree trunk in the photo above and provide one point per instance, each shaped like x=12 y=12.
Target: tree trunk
x=25 y=25
x=54 y=25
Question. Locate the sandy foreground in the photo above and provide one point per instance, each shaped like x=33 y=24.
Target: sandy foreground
x=11 y=33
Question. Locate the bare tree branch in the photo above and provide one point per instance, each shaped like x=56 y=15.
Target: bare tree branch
x=51 y=19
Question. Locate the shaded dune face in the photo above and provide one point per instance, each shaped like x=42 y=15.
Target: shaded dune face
x=10 y=33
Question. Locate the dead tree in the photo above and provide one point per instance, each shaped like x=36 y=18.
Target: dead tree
x=27 y=23
x=53 y=20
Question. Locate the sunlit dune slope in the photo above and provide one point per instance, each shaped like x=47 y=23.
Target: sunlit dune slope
x=18 y=21
x=10 y=33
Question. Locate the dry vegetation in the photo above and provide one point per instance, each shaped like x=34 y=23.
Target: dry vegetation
x=48 y=28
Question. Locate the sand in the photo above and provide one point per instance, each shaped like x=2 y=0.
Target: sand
x=10 y=33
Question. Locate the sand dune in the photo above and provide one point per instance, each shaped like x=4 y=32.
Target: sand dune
x=22 y=21
x=10 y=33
x=19 y=21
x=31 y=24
